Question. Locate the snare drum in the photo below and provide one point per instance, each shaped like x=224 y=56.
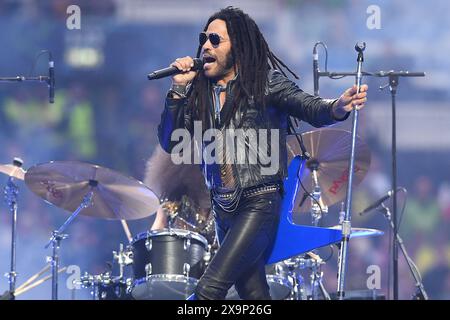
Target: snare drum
x=167 y=264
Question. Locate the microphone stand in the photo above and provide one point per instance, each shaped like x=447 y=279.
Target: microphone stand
x=420 y=292
x=346 y=224
x=45 y=79
x=50 y=79
x=23 y=79
x=393 y=84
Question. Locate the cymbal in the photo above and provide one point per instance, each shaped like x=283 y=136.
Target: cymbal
x=360 y=232
x=115 y=196
x=13 y=171
x=330 y=154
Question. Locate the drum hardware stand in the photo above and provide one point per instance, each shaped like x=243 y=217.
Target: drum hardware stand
x=317 y=206
x=316 y=276
x=93 y=281
x=85 y=281
x=298 y=291
x=317 y=284
x=420 y=291
x=58 y=236
x=123 y=258
x=317 y=210
x=11 y=192
x=316 y=279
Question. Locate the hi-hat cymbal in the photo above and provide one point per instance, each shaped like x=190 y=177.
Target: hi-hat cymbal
x=360 y=232
x=330 y=155
x=115 y=196
x=13 y=171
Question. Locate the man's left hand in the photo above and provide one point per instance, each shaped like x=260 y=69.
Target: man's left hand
x=350 y=99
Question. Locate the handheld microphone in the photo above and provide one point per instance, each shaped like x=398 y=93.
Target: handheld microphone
x=377 y=203
x=360 y=47
x=51 y=78
x=170 y=71
x=316 y=69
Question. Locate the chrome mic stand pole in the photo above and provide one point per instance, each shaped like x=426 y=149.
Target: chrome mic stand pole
x=346 y=224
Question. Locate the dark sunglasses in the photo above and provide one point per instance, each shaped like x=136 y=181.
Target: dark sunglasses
x=214 y=38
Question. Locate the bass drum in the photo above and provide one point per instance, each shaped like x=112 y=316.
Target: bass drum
x=167 y=264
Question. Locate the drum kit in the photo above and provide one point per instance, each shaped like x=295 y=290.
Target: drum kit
x=167 y=263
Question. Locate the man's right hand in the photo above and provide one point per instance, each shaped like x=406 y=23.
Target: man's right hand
x=184 y=64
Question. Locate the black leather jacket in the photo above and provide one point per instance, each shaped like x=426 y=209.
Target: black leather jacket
x=284 y=99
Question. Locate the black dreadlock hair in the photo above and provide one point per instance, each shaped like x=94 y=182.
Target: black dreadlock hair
x=253 y=60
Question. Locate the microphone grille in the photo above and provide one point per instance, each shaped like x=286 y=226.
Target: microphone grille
x=360 y=46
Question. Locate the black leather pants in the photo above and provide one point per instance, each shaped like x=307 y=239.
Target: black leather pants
x=246 y=237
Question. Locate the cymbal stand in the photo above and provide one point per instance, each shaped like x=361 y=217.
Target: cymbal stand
x=11 y=192
x=58 y=236
x=318 y=208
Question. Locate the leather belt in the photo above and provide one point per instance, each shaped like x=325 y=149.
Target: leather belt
x=252 y=191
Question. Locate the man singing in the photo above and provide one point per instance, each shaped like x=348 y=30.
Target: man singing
x=242 y=87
